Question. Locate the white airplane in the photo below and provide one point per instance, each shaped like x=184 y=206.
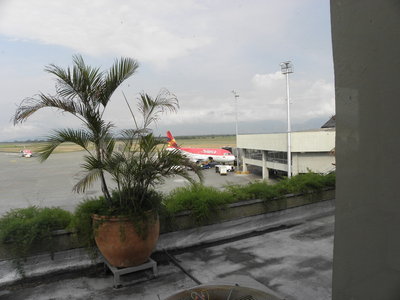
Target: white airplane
x=26 y=153
x=202 y=154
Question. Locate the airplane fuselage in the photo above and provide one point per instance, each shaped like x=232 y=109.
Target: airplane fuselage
x=204 y=154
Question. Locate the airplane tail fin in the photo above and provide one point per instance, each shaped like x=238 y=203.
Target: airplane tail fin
x=171 y=140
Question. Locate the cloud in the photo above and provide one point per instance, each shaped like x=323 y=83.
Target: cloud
x=309 y=98
x=131 y=28
x=314 y=99
x=156 y=31
x=22 y=132
x=265 y=99
x=267 y=80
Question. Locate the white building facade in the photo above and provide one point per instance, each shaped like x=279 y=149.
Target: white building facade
x=311 y=151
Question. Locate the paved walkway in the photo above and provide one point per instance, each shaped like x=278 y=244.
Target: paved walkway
x=290 y=252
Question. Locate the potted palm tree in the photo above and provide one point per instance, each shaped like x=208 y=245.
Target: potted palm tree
x=127 y=229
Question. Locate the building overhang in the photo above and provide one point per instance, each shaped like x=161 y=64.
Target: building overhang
x=301 y=141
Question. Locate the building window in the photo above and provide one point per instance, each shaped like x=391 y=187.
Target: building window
x=253 y=154
x=277 y=156
x=271 y=156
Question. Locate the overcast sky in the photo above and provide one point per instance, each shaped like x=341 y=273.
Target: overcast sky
x=199 y=50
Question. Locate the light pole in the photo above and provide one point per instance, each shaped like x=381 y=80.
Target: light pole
x=236 y=124
x=287 y=68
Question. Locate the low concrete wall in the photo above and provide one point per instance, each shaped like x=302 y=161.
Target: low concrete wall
x=184 y=220
x=63 y=240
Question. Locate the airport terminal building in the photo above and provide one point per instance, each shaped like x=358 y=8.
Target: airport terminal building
x=312 y=150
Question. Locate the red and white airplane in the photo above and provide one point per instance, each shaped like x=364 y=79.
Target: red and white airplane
x=201 y=154
x=26 y=153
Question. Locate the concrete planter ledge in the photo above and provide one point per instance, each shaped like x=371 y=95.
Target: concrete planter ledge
x=184 y=220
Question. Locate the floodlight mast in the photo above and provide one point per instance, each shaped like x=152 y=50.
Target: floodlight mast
x=236 y=95
x=287 y=68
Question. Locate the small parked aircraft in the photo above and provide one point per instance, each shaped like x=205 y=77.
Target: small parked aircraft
x=202 y=154
x=26 y=153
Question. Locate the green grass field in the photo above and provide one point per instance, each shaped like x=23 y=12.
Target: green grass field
x=216 y=141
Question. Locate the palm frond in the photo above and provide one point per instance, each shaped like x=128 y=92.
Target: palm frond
x=87 y=180
x=152 y=109
x=64 y=87
x=80 y=81
x=79 y=137
x=30 y=105
x=109 y=146
x=93 y=169
x=100 y=128
x=121 y=70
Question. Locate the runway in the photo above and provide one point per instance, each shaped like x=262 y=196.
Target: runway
x=26 y=181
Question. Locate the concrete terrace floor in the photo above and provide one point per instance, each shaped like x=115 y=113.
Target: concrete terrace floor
x=290 y=253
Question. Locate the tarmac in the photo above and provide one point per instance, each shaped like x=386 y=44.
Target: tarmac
x=26 y=181
x=289 y=252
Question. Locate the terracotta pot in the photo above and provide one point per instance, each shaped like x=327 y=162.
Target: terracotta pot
x=119 y=242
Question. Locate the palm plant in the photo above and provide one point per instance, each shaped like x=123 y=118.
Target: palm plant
x=140 y=161
x=84 y=92
x=136 y=165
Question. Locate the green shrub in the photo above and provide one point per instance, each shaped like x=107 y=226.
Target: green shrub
x=330 y=180
x=239 y=192
x=81 y=222
x=21 y=229
x=202 y=201
x=254 y=190
x=304 y=183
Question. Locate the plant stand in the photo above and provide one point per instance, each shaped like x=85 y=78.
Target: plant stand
x=117 y=272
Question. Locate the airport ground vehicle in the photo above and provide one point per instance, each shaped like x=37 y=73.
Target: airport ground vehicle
x=224 y=169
